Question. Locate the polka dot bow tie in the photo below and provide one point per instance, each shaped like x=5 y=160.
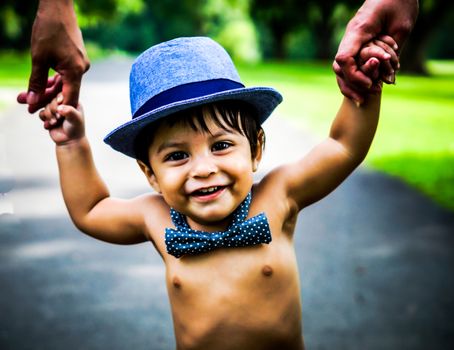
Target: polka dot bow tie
x=240 y=233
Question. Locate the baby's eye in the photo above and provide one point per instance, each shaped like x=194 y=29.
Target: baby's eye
x=174 y=156
x=221 y=145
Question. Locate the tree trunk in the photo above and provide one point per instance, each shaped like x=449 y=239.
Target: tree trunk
x=279 y=34
x=324 y=32
x=413 y=56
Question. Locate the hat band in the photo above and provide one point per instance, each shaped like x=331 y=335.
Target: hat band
x=186 y=92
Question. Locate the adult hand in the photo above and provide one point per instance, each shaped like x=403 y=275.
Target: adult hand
x=391 y=17
x=56 y=43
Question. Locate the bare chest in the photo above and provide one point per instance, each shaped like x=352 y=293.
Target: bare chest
x=251 y=290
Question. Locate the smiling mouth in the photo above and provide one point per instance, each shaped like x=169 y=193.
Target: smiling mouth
x=208 y=191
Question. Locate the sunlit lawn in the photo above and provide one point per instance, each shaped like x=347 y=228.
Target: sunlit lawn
x=415 y=139
x=14 y=70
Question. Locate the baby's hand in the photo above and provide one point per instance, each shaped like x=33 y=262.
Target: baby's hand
x=379 y=61
x=65 y=123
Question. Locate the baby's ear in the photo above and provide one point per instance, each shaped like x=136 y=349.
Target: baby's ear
x=259 y=150
x=149 y=175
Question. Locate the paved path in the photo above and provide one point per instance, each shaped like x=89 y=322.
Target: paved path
x=375 y=257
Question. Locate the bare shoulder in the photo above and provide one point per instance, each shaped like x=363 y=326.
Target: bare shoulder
x=277 y=183
x=156 y=214
x=151 y=206
x=272 y=194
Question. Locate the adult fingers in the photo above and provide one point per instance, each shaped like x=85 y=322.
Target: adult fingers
x=54 y=80
x=350 y=44
x=49 y=94
x=22 y=97
x=348 y=91
x=354 y=77
x=37 y=81
x=358 y=32
x=70 y=88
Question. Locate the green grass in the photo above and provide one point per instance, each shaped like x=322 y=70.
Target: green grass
x=415 y=138
x=14 y=69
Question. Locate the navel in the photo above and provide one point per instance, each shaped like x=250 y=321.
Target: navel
x=267 y=270
x=176 y=282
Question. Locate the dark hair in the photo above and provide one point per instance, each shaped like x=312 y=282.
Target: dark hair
x=237 y=115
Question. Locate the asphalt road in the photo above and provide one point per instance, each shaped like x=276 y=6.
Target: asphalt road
x=375 y=257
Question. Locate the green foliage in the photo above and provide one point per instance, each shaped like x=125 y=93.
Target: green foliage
x=240 y=40
x=11 y=22
x=16 y=19
x=250 y=29
x=228 y=22
x=93 y=12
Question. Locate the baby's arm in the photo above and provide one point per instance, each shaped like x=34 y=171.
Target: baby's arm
x=351 y=134
x=86 y=196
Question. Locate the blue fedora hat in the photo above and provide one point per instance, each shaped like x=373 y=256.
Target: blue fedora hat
x=180 y=74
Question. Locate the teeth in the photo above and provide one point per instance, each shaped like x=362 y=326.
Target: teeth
x=208 y=190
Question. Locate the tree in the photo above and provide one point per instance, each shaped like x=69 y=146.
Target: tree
x=16 y=17
x=276 y=20
x=279 y=19
x=431 y=15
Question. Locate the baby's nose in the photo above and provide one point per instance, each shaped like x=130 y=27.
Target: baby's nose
x=203 y=167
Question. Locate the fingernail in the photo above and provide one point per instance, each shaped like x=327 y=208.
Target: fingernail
x=391 y=78
x=60 y=108
x=32 y=98
x=60 y=98
x=396 y=47
x=357 y=103
x=57 y=115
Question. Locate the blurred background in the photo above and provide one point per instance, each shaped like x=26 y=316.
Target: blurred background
x=289 y=44
x=375 y=257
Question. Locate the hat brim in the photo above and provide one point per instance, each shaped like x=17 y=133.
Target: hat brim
x=263 y=99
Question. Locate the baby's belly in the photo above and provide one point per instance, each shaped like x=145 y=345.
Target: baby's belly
x=243 y=298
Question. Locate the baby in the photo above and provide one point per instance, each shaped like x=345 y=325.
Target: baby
x=227 y=242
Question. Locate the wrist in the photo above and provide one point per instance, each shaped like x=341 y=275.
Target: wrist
x=55 y=8
x=45 y=4
x=73 y=143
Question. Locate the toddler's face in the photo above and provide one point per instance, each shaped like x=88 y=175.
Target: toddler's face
x=205 y=176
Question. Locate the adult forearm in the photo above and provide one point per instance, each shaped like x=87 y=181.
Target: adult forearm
x=354 y=126
x=81 y=185
x=394 y=18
